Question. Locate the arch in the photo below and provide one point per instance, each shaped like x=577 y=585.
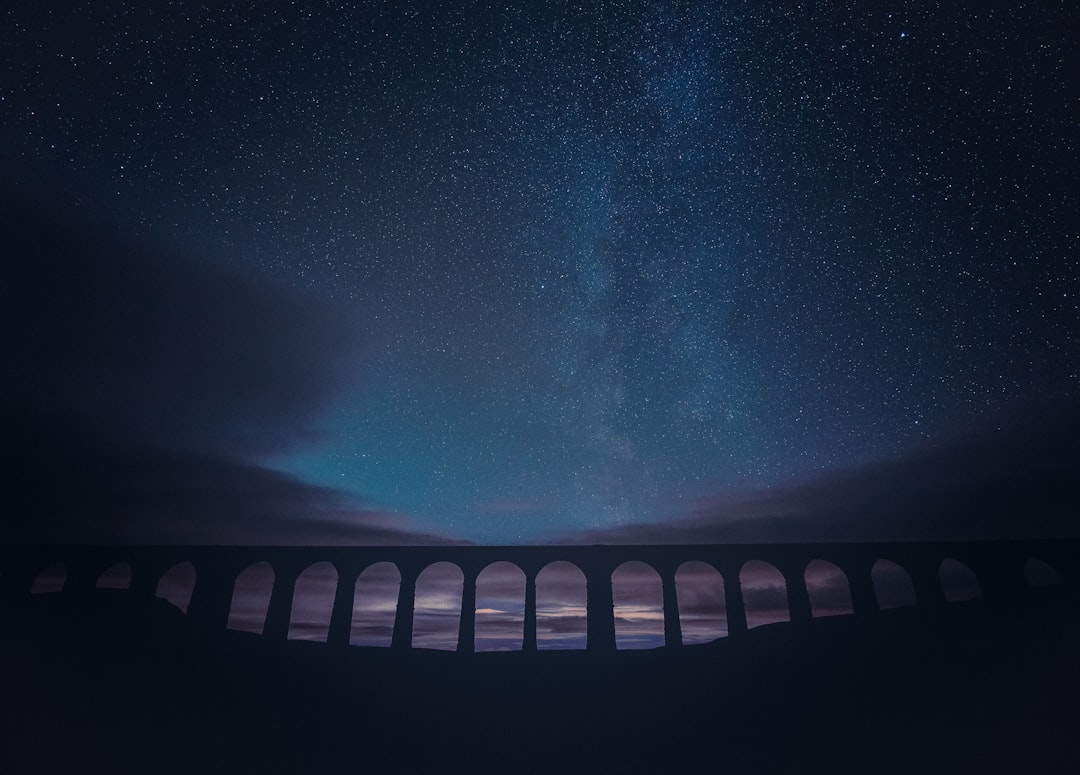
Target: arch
x=561 y=607
x=251 y=598
x=638 y=595
x=116 y=576
x=375 y=599
x=500 y=607
x=828 y=588
x=958 y=581
x=177 y=584
x=313 y=602
x=51 y=579
x=764 y=593
x=892 y=585
x=699 y=588
x=437 y=612
x=1040 y=574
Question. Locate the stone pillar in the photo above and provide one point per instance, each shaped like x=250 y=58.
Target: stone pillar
x=18 y=578
x=81 y=577
x=144 y=579
x=529 y=641
x=341 y=615
x=864 y=599
x=10 y=582
x=1001 y=576
x=798 y=595
x=208 y=608
x=280 y=609
x=406 y=607
x=467 y=628
x=926 y=577
x=733 y=601
x=1064 y=561
x=672 y=625
x=601 y=609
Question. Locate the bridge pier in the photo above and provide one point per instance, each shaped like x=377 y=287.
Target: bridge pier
x=797 y=594
x=1001 y=576
x=81 y=576
x=528 y=642
x=600 y=626
x=18 y=577
x=467 y=628
x=279 y=612
x=342 y=613
x=211 y=596
x=672 y=625
x=926 y=578
x=864 y=601
x=733 y=600
x=406 y=609
x=144 y=579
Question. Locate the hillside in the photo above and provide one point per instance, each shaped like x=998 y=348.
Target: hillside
x=104 y=687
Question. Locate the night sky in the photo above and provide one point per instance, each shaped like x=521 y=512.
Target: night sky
x=658 y=271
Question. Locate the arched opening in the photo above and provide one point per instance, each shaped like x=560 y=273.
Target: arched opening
x=117 y=576
x=699 y=588
x=638 y=595
x=500 y=608
x=764 y=593
x=313 y=603
x=1040 y=574
x=958 y=581
x=177 y=585
x=375 y=599
x=892 y=585
x=50 y=579
x=437 y=615
x=828 y=589
x=561 y=607
x=251 y=598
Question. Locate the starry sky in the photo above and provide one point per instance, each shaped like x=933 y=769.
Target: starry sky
x=658 y=271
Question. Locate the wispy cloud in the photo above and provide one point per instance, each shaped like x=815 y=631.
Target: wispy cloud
x=143 y=392
x=1016 y=481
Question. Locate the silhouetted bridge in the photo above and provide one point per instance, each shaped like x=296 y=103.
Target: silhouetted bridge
x=1004 y=572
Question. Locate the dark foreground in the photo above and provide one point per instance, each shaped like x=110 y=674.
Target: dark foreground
x=103 y=688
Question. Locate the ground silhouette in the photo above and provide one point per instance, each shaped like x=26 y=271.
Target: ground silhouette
x=108 y=682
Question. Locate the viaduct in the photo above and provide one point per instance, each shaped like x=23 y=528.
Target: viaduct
x=1002 y=570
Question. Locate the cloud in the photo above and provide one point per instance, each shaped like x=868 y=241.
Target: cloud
x=78 y=488
x=141 y=394
x=123 y=338
x=1018 y=481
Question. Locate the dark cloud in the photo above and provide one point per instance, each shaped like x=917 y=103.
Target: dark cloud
x=375 y=605
x=560 y=580
x=701 y=601
x=142 y=392
x=500 y=594
x=1016 y=481
x=566 y=624
x=500 y=612
x=828 y=588
x=636 y=583
x=122 y=338
x=61 y=486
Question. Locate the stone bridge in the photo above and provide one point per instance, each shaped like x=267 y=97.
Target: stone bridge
x=1003 y=570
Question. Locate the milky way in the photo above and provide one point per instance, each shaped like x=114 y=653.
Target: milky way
x=608 y=262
